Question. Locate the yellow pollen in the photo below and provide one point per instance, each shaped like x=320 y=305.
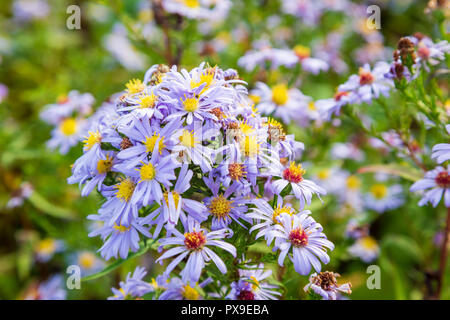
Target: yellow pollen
x=86 y=260
x=280 y=94
x=187 y=138
x=353 y=182
x=379 y=191
x=256 y=99
x=205 y=77
x=324 y=174
x=68 y=126
x=46 y=246
x=191 y=3
x=246 y=128
x=250 y=146
x=190 y=293
x=302 y=51
x=175 y=195
x=368 y=243
x=147 y=101
x=147 y=171
x=92 y=139
x=220 y=207
x=125 y=189
x=104 y=166
x=311 y=106
x=121 y=228
x=134 y=86
x=151 y=141
x=190 y=104
x=279 y=210
x=255 y=284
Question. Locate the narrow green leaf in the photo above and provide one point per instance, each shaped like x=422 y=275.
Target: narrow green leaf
x=49 y=208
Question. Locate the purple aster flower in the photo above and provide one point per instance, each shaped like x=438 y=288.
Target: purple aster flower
x=175 y=206
x=178 y=289
x=251 y=285
x=52 y=289
x=325 y=284
x=194 y=245
x=119 y=238
x=223 y=207
x=437 y=184
x=369 y=83
x=304 y=235
x=303 y=189
x=134 y=286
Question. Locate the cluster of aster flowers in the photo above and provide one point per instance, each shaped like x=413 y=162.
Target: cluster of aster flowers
x=68 y=116
x=184 y=158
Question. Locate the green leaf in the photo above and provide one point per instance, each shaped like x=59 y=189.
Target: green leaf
x=406 y=172
x=119 y=262
x=49 y=208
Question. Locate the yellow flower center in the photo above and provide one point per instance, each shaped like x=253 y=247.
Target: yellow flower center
x=205 y=77
x=250 y=146
x=379 y=191
x=368 y=243
x=311 y=106
x=302 y=52
x=46 y=246
x=104 y=166
x=192 y=3
x=353 y=182
x=125 y=189
x=151 y=141
x=255 y=284
x=68 y=126
x=220 y=207
x=323 y=174
x=294 y=173
x=246 y=128
x=134 y=86
x=236 y=171
x=190 y=293
x=281 y=209
x=256 y=99
x=147 y=171
x=121 y=228
x=147 y=101
x=92 y=139
x=280 y=94
x=190 y=104
x=187 y=138
x=86 y=260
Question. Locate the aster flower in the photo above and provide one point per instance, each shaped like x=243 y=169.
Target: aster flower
x=46 y=248
x=178 y=289
x=304 y=236
x=365 y=248
x=328 y=107
x=175 y=206
x=88 y=262
x=198 y=9
x=52 y=289
x=194 y=245
x=119 y=238
x=383 y=198
x=292 y=176
x=66 y=135
x=251 y=285
x=325 y=284
x=437 y=184
x=143 y=137
x=369 y=83
x=151 y=175
x=280 y=101
x=133 y=286
x=223 y=207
